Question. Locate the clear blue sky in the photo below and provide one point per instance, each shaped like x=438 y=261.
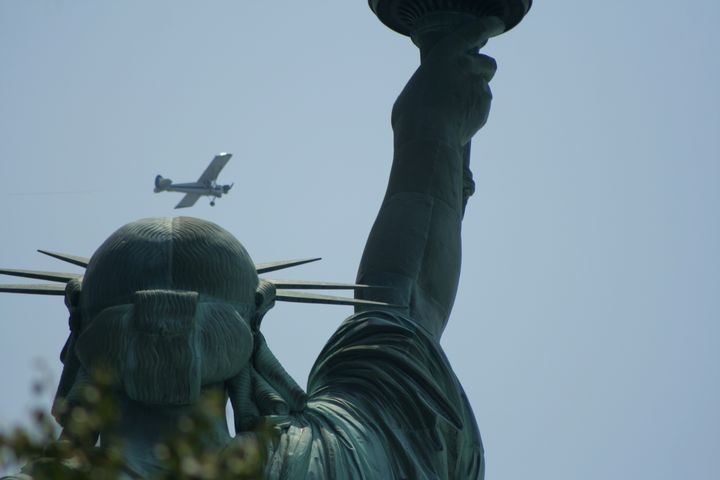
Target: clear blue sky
x=587 y=328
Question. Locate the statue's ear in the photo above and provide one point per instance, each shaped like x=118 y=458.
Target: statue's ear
x=72 y=292
x=264 y=301
x=73 y=289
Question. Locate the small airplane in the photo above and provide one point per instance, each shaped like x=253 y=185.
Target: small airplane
x=205 y=185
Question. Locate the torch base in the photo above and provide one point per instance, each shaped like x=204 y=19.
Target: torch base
x=403 y=15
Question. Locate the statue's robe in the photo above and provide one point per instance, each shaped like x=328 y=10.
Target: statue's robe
x=383 y=404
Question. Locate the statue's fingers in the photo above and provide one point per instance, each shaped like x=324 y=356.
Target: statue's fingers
x=475 y=34
x=483 y=66
x=469 y=37
x=268 y=400
x=269 y=367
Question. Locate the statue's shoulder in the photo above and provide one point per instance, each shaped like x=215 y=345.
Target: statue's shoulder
x=379 y=327
x=382 y=398
x=377 y=338
x=381 y=356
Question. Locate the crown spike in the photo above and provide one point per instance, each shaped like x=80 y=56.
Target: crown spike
x=50 y=276
x=303 y=297
x=295 y=284
x=74 y=259
x=44 y=289
x=272 y=266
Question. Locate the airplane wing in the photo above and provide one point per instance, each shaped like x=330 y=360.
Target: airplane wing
x=188 y=200
x=213 y=170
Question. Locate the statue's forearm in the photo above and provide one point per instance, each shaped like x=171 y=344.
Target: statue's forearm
x=414 y=247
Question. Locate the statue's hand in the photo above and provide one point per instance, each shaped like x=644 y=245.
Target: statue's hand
x=448 y=97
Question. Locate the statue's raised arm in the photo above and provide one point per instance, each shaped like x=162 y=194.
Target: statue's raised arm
x=414 y=248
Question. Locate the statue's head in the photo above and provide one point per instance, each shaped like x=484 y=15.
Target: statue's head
x=167 y=306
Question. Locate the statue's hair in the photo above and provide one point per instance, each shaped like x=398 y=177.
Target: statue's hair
x=162 y=363
x=166 y=345
x=181 y=253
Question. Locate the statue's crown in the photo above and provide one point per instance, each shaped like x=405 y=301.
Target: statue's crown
x=184 y=254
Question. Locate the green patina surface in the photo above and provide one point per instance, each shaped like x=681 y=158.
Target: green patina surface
x=172 y=309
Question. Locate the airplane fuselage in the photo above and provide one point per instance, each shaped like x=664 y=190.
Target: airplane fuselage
x=198 y=188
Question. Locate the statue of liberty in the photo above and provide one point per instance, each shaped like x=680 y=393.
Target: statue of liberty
x=172 y=308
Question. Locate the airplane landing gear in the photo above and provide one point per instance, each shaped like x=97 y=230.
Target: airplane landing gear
x=212 y=203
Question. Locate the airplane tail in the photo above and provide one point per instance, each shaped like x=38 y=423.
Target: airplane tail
x=161 y=183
